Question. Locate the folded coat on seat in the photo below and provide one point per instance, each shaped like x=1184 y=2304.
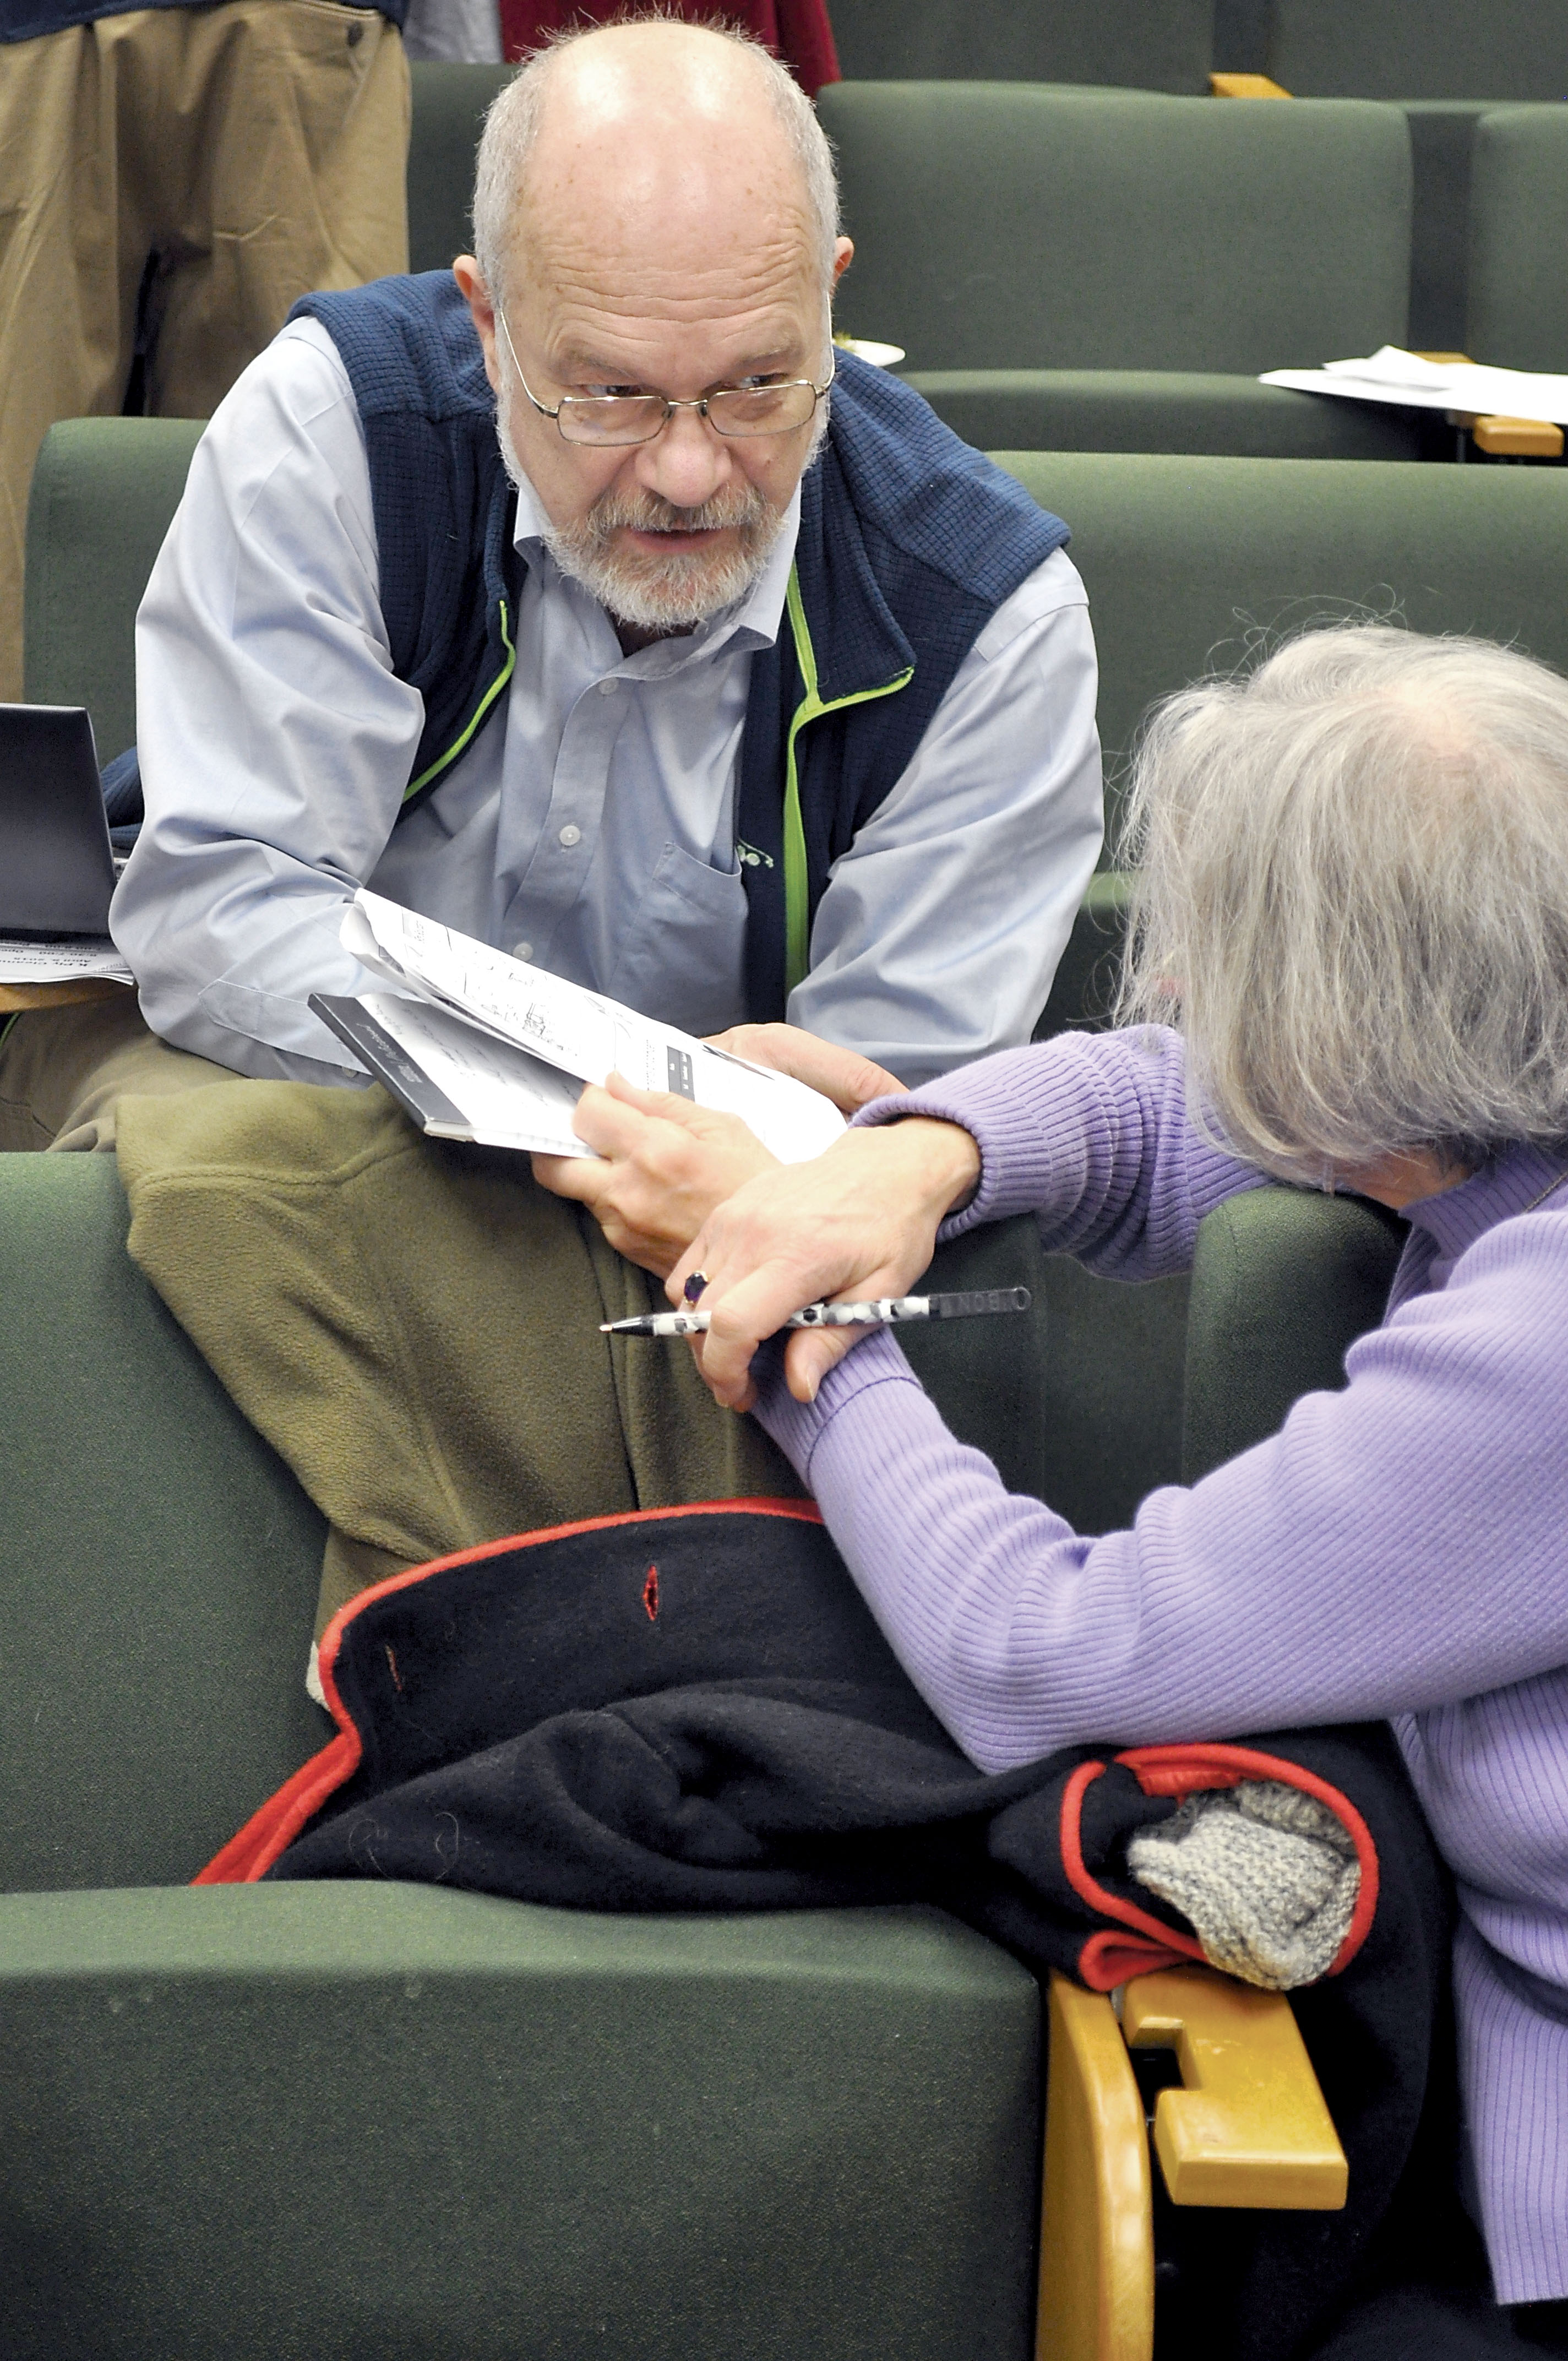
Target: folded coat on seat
x=694 y=1709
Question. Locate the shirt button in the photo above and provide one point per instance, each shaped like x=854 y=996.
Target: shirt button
x=570 y=835
x=609 y=687
x=523 y=951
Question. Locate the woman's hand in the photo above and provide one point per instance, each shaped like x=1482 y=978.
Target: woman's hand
x=666 y=1164
x=859 y=1221
x=850 y=1080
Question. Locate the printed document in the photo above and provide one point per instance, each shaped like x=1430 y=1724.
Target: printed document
x=554 y=1034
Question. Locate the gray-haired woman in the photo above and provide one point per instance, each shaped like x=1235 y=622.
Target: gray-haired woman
x=1352 y=927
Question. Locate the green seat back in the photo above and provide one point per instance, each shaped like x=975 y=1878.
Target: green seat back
x=1169 y=410
x=161 y=1565
x=1517 y=315
x=383 y=2122
x=1151 y=44
x=1191 y=562
x=449 y=103
x=1003 y=226
x=1420 y=48
x=104 y=491
x=1283 y=1283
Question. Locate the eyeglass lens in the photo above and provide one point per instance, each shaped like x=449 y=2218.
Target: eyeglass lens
x=736 y=411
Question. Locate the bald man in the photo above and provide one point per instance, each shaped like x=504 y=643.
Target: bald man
x=574 y=600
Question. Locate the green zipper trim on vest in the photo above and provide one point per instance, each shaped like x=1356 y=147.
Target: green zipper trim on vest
x=477 y=715
x=797 y=883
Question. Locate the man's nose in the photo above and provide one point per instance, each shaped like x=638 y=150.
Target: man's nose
x=688 y=463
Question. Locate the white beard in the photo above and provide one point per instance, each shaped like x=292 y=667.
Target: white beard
x=654 y=593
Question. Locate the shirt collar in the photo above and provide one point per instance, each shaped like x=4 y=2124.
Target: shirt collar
x=752 y=622
x=1513 y=1183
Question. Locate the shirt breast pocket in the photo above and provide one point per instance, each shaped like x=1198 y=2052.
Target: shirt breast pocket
x=681 y=959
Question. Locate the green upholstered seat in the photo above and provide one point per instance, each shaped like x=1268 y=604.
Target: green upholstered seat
x=388 y=2122
x=1001 y=227
x=392 y=2123
x=1420 y=49
x=104 y=490
x=1151 y=44
x=1284 y=1281
x=1169 y=410
x=1192 y=563
x=449 y=103
x=1518 y=316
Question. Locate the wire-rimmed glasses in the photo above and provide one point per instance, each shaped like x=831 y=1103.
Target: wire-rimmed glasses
x=598 y=420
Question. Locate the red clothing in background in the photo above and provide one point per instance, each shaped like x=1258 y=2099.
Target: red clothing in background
x=796 y=30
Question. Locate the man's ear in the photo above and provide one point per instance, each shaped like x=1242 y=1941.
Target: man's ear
x=843 y=255
x=477 y=295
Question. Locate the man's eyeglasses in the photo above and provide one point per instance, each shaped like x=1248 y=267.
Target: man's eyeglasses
x=599 y=420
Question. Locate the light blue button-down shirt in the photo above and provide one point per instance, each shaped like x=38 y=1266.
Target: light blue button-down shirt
x=590 y=828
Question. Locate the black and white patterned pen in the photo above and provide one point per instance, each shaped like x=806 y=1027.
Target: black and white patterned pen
x=885 y=1312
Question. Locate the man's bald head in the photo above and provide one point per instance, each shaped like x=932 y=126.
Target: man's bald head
x=638 y=142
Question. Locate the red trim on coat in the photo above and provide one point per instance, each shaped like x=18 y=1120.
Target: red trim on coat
x=1170 y=1939
x=250 y=1853
x=1182 y=1771
x=1108 y=1960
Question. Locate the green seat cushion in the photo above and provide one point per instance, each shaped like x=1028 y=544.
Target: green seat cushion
x=1195 y=563
x=1003 y=226
x=161 y=1567
x=104 y=491
x=382 y=2123
x=449 y=106
x=1420 y=49
x=1284 y=1281
x=1169 y=410
x=1519 y=237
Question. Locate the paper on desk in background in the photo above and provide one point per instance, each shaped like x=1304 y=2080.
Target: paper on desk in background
x=1406 y=379
x=62 y=962
x=580 y=1033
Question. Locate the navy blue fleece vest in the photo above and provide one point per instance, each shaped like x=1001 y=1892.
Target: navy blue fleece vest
x=909 y=542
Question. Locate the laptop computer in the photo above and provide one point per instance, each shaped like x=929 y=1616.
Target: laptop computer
x=57 y=866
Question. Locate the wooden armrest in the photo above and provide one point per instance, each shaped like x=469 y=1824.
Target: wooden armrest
x=14 y=996
x=1506 y=438
x=1228 y=85
x=1097 y=2221
x=1516 y=438
x=1249 y=2127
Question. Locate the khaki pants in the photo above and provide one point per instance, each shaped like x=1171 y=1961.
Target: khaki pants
x=414 y=1327
x=63 y=1071
x=251 y=151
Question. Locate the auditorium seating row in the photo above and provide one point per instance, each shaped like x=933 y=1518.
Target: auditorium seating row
x=1321 y=48
x=1111 y=270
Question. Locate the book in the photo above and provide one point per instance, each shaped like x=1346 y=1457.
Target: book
x=477 y=1046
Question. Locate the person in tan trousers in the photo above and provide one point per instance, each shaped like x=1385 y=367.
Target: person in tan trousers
x=172 y=179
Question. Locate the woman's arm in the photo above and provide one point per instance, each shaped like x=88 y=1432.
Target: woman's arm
x=1396 y=1546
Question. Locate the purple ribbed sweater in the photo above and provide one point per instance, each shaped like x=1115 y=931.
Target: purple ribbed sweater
x=1398 y=1548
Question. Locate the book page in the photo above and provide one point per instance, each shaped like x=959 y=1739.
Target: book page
x=509 y=1099
x=581 y=1032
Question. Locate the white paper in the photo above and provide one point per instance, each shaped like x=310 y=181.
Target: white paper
x=1404 y=378
x=581 y=1032
x=61 y=962
x=510 y=1099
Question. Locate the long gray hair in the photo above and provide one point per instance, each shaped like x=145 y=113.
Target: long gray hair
x=512 y=123
x=1354 y=899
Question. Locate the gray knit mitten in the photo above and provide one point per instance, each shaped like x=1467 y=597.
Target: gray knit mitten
x=1267 y=1875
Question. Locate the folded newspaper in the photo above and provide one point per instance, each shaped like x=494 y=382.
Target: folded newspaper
x=1410 y=381
x=477 y=1046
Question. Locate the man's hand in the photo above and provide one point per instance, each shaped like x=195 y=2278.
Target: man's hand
x=666 y=1165
x=859 y=1221
x=850 y=1080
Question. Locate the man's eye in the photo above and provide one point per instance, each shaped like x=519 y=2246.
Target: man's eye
x=610 y=392
x=761 y=384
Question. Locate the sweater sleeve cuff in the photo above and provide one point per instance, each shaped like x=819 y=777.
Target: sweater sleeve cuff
x=1002 y=1118
x=798 y=1427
